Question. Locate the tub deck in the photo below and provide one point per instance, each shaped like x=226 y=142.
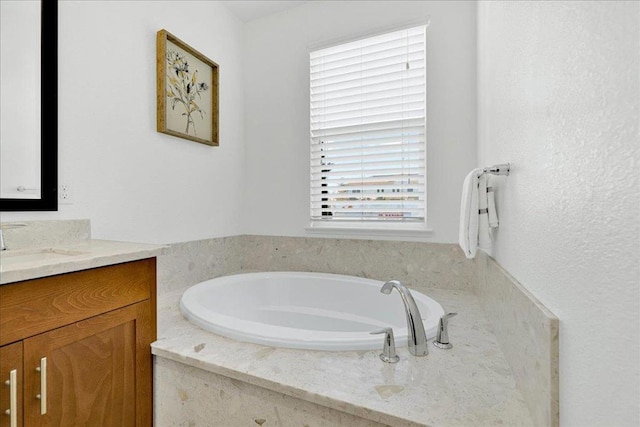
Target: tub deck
x=469 y=385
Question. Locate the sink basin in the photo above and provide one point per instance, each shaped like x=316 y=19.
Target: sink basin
x=10 y=259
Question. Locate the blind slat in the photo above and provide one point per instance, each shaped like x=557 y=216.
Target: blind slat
x=369 y=96
x=365 y=110
x=374 y=210
x=379 y=68
x=329 y=181
x=370 y=167
x=380 y=142
x=397 y=126
x=414 y=58
x=388 y=80
x=367 y=105
x=375 y=175
x=374 y=140
x=330 y=203
x=363 y=120
x=347 y=194
x=369 y=159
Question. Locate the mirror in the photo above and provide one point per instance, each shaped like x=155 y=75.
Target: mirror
x=29 y=109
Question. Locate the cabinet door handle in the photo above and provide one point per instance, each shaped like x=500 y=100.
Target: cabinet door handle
x=43 y=385
x=13 y=398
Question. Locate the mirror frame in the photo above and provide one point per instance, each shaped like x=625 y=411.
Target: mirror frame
x=48 y=200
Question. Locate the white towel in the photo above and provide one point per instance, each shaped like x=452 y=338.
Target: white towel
x=487 y=211
x=468 y=231
x=483 y=209
x=491 y=204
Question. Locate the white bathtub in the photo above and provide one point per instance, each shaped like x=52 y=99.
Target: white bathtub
x=303 y=310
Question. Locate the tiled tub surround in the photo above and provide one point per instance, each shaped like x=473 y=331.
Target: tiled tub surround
x=235 y=403
x=433 y=265
x=490 y=298
x=192 y=262
x=529 y=335
x=469 y=385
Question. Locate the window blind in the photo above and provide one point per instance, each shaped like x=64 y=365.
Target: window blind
x=368 y=127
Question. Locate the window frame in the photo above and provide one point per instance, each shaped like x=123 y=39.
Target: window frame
x=375 y=227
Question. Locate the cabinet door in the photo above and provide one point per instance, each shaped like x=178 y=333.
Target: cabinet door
x=96 y=372
x=11 y=381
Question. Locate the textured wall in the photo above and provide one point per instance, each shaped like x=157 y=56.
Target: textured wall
x=558 y=98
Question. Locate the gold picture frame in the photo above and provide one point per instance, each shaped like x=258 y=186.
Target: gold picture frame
x=187 y=95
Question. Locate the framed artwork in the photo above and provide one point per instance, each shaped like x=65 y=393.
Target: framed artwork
x=187 y=91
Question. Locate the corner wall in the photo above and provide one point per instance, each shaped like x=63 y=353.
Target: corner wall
x=559 y=99
x=133 y=183
x=277 y=105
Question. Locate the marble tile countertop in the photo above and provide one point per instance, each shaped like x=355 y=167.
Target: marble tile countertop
x=31 y=263
x=469 y=385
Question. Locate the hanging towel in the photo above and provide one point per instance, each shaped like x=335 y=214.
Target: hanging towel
x=483 y=209
x=468 y=231
x=487 y=211
x=491 y=204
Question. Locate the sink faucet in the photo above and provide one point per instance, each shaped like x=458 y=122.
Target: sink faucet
x=417 y=334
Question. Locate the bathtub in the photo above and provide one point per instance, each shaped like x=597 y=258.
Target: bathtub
x=315 y=311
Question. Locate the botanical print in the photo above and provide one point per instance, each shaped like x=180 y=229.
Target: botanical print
x=187 y=91
x=184 y=89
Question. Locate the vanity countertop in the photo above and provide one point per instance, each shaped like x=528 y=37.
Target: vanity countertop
x=469 y=385
x=32 y=263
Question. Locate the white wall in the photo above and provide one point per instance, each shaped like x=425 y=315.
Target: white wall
x=134 y=183
x=277 y=100
x=558 y=98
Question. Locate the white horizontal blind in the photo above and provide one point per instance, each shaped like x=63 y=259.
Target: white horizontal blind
x=368 y=126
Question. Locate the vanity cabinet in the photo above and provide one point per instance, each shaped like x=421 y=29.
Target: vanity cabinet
x=78 y=345
x=11 y=369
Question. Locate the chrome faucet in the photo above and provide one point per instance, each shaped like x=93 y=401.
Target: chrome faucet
x=417 y=334
x=388 y=354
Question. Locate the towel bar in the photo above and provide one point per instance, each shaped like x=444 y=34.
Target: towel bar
x=502 y=169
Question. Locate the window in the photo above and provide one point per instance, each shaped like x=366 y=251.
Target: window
x=368 y=131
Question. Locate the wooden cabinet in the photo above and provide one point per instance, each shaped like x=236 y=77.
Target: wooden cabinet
x=79 y=346
x=11 y=368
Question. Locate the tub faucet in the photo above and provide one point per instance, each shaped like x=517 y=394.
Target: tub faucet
x=417 y=334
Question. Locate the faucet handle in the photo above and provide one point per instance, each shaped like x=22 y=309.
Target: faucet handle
x=442 y=338
x=389 y=348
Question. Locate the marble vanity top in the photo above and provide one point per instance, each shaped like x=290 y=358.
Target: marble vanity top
x=34 y=262
x=469 y=385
